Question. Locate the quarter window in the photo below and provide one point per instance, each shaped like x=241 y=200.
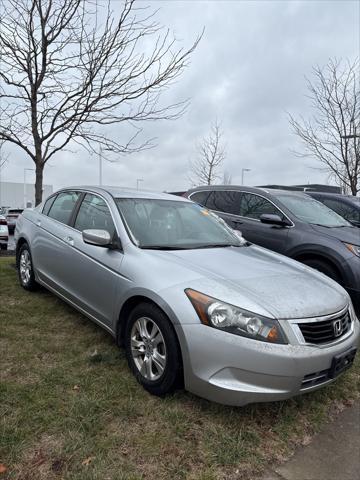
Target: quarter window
x=94 y=214
x=62 y=207
x=227 y=201
x=48 y=204
x=253 y=206
x=199 y=197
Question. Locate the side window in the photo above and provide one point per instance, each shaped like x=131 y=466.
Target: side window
x=199 y=197
x=227 y=201
x=47 y=205
x=252 y=206
x=94 y=213
x=62 y=207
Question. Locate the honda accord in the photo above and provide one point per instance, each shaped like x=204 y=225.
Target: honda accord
x=190 y=300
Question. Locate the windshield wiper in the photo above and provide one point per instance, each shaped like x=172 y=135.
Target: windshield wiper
x=189 y=247
x=218 y=245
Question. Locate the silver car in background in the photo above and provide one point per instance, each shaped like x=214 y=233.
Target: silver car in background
x=190 y=300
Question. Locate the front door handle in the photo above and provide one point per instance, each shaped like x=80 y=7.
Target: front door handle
x=69 y=241
x=38 y=223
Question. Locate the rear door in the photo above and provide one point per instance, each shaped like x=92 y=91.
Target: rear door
x=50 y=246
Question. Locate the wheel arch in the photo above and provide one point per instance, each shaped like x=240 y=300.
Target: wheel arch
x=329 y=260
x=128 y=306
x=19 y=243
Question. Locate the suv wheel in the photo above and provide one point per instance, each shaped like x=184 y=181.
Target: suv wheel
x=152 y=349
x=25 y=269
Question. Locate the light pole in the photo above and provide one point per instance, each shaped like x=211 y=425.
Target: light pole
x=25 y=170
x=100 y=154
x=138 y=180
x=243 y=170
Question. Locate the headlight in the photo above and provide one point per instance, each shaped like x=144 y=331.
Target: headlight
x=229 y=318
x=355 y=249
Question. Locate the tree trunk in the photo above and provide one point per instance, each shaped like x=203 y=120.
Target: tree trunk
x=39 y=183
x=354 y=185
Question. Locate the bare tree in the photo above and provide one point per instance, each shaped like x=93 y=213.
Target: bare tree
x=332 y=135
x=70 y=69
x=211 y=154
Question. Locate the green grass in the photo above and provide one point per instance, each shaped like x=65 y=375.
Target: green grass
x=67 y=413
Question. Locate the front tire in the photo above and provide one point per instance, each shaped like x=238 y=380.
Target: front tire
x=25 y=269
x=152 y=350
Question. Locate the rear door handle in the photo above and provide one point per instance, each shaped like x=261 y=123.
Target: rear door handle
x=69 y=241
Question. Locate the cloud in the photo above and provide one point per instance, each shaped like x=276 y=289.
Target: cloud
x=248 y=72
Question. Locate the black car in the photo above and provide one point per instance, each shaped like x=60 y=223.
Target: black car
x=345 y=205
x=291 y=223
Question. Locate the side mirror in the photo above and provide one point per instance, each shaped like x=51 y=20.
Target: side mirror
x=272 y=219
x=100 y=238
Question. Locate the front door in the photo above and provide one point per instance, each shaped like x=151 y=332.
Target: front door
x=273 y=237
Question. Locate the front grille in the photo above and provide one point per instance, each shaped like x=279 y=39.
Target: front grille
x=325 y=331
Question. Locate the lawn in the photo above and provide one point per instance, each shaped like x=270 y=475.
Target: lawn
x=70 y=408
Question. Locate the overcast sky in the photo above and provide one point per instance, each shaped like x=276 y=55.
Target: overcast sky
x=248 y=72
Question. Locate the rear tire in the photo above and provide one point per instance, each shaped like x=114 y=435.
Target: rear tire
x=152 y=350
x=323 y=267
x=25 y=269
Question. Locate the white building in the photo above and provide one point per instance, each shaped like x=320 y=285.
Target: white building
x=19 y=195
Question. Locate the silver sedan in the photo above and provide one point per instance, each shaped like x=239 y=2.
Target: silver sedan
x=191 y=301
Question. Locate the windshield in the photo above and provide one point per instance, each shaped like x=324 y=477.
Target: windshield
x=311 y=211
x=169 y=224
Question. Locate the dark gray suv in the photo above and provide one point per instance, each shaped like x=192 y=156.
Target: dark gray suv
x=291 y=223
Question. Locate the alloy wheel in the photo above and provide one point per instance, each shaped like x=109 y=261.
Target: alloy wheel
x=148 y=348
x=25 y=267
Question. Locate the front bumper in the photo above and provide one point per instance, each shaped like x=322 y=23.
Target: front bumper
x=234 y=370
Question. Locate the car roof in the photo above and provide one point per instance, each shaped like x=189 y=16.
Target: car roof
x=125 y=192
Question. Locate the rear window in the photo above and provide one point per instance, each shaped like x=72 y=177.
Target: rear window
x=62 y=207
x=227 y=201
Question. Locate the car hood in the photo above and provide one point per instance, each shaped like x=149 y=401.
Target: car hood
x=257 y=280
x=344 y=234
